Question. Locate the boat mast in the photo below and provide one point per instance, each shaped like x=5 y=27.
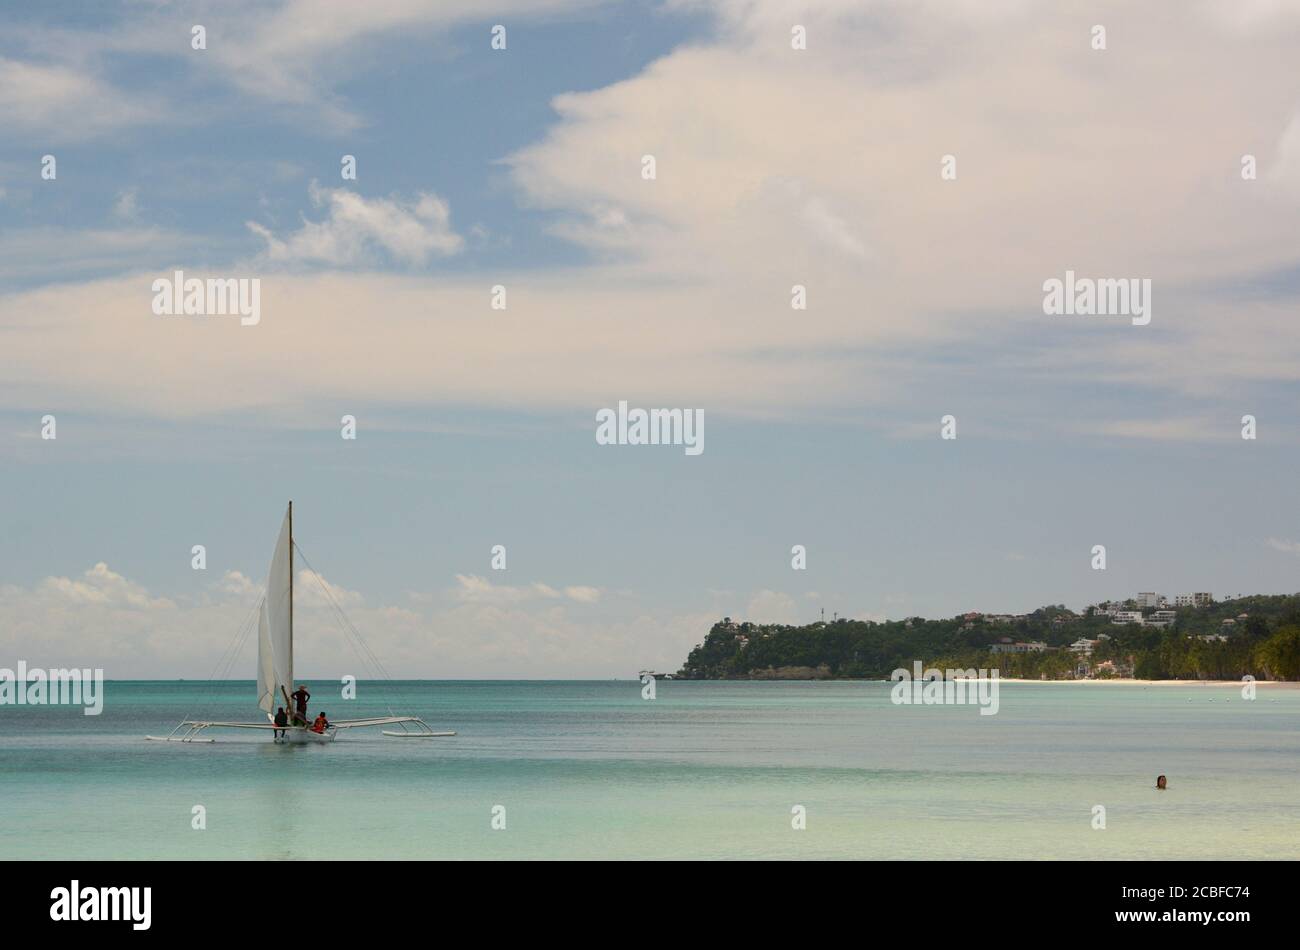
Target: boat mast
x=291 y=584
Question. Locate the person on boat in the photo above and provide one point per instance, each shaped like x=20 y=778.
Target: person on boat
x=1161 y=783
x=281 y=721
x=300 y=697
x=321 y=723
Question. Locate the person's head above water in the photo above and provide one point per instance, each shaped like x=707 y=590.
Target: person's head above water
x=1160 y=781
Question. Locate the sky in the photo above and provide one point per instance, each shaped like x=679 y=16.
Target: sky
x=524 y=168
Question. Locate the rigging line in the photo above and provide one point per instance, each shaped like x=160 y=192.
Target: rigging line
x=227 y=660
x=379 y=666
x=366 y=656
x=360 y=641
x=357 y=641
x=366 y=666
x=224 y=672
x=357 y=646
x=374 y=659
x=349 y=636
x=345 y=622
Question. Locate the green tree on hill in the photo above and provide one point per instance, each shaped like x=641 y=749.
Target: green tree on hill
x=1263 y=640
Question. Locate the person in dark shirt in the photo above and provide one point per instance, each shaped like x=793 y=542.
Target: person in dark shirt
x=300 y=697
x=281 y=721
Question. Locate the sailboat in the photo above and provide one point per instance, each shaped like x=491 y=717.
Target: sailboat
x=275 y=668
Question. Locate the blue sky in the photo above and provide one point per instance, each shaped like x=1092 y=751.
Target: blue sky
x=775 y=167
x=430 y=111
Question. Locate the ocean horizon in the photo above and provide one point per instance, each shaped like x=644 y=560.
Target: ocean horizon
x=707 y=769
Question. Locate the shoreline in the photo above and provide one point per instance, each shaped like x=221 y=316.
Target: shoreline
x=1118 y=681
x=1114 y=681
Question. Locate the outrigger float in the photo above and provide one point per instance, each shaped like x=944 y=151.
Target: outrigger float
x=275 y=668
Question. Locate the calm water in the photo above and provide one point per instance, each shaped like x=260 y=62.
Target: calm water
x=707 y=770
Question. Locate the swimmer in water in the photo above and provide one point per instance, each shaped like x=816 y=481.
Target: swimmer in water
x=1160 y=783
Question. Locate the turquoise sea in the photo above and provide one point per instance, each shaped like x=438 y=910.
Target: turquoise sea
x=705 y=770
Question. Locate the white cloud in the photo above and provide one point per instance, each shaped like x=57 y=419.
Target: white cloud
x=313 y=590
x=795 y=161
x=238 y=584
x=60 y=253
x=474 y=630
x=1175 y=429
x=776 y=168
x=295 y=55
x=60 y=103
x=872 y=616
x=126 y=206
x=1286 y=547
x=282 y=52
x=769 y=606
x=1251 y=15
x=102 y=587
x=471 y=588
x=583 y=595
x=356 y=227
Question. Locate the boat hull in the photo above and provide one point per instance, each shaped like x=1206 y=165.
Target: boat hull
x=299 y=735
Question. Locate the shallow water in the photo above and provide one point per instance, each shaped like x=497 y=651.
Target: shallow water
x=706 y=770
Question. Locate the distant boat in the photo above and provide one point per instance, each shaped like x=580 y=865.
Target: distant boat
x=275 y=667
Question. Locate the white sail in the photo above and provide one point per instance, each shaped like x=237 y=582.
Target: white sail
x=275 y=626
x=266 y=686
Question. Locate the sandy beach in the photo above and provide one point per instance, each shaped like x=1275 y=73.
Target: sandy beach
x=1271 y=684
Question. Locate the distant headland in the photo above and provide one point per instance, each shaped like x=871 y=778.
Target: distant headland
x=1145 y=637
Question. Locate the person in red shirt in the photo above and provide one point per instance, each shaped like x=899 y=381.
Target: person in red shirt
x=321 y=723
